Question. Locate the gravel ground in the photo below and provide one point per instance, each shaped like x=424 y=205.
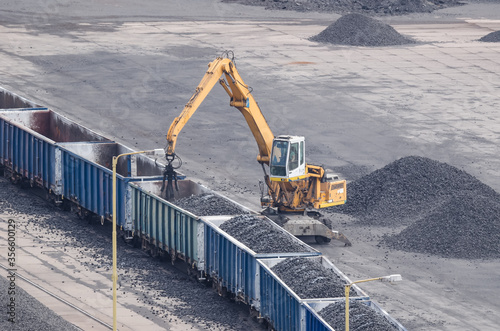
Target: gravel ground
x=448 y=212
x=378 y=7
x=261 y=236
x=209 y=205
x=30 y=313
x=309 y=279
x=360 y=30
x=156 y=282
x=493 y=37
x=361 y=317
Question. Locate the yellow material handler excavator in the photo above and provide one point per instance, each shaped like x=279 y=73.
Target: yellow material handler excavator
x=294 y=187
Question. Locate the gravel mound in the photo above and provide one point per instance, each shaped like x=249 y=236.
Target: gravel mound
x=309 y=279
x=262 y=236
x=493 y=37
x=467 y=226
x=361 y=317
x=30 y=313
x=378 y=7
x=447 y=211
x=209 y=205
x=408 y=189
x=360 y=30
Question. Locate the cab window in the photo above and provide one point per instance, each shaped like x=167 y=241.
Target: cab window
x=278 y=158
x=294 y=157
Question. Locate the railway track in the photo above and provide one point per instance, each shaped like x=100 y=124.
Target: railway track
x=67 y=303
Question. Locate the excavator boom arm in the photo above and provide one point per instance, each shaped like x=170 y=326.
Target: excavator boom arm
x=240 y=97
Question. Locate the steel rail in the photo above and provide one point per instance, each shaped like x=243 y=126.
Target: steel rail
x=61 y=299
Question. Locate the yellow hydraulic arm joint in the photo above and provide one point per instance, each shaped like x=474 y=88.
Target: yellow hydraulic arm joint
x=240 y=97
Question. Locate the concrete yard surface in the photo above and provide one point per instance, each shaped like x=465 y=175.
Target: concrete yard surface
x=126 y=69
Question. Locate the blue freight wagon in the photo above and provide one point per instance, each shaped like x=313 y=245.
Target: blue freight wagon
x=87 y=178
x=29 y=148
x=163 y=227
x=233 y=266
x=280 y=305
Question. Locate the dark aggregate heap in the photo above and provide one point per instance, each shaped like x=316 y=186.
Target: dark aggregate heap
x=361 y=317
x=408 y=189
x=261 y=235
x=309 y=279
x=209 y=205
x=360 y=30
x=377 y=7
x=493 y=37
x=466 y=226
x=448 y=212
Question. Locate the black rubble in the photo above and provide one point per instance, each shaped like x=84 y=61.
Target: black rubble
x=447 y=211
x=467 y=226
x=309 y=279
x=493 y=37
x=406 y=190
x=209 y=205
x=360 y=30
x=361 y=317
x=30 y=314
x=373 y=7
x=262 y=236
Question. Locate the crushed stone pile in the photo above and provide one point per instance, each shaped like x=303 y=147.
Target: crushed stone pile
x=493 y=37
x=309 y=279
x=447 y=211
x=376 y=7
x=406 y=190
x=209 y=205
x=360 y=30
x=466 y=226
x=262 y=236
x=361 y=317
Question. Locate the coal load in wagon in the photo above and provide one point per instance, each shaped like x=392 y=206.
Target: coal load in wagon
x=209 y=205
x=493 y=37
x=407 y=190
x=466 y=226
x=309 y=279
x=360 y=30
x=361 y=317
x=261 y=235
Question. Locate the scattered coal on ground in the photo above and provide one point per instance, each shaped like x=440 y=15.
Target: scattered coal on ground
x=309 y=279
x=361 y=317
x=163 y=291
x=262 y=236
x=28 y=313
x=493 y=37
x=466 y=226
x=208 y=204
x=378 y=7
x=360 y=30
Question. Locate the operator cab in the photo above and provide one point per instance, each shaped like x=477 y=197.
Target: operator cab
x=288 y=158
